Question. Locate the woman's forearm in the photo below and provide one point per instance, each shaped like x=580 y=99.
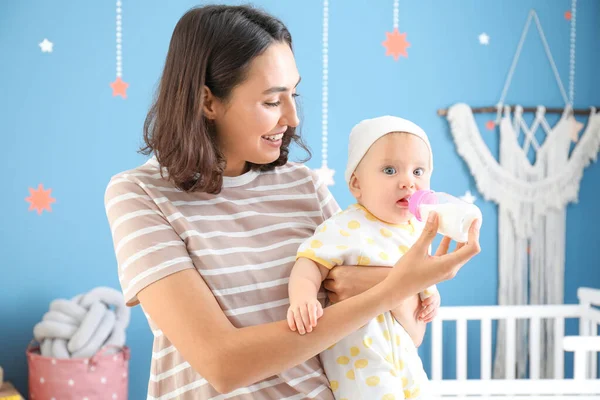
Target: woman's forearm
x=374 y=275
x=257 y=352
x=188 y=313
x=344 y=282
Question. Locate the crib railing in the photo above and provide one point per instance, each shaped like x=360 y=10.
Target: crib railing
x=585 y=346
x=589 y=322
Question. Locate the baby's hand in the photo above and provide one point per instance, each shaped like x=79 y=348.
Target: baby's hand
x=303 y=315
x=429 y=307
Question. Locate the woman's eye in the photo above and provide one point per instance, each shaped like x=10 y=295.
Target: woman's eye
x=278 y=103
x=419 y=172
x=389 y=170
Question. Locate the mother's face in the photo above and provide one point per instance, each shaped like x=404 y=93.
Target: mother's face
x=252 y=121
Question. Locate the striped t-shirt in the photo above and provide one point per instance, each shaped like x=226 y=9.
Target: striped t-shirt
x=243 y=243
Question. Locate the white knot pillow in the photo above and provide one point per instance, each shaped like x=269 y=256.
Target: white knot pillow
x=79 y=327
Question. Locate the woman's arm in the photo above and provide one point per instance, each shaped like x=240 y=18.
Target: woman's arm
x=407 y=315
x=347 y=281
x=184 y=308
x=344 y=282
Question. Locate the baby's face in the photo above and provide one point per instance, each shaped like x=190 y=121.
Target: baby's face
x=395 y=166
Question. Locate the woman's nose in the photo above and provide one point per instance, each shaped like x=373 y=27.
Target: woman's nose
x=290 y=116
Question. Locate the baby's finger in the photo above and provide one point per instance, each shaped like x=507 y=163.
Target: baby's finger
x=425 y=311
x=319 y=310
x=290 y=320
x=299 y=323
x=427 y=301
x=305 y=317
x=430 y=316
x=312 y=311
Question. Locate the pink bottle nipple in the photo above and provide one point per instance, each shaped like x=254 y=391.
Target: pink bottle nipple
x=420 y=197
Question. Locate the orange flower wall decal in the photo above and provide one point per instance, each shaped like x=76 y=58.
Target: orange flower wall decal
x=396 y=44
x=40 y=199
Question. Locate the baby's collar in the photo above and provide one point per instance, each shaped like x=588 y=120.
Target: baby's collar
x=372 y=217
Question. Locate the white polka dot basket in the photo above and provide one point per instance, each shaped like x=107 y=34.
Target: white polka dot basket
x=102 y=376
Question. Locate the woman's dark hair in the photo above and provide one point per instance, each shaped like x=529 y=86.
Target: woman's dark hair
x=213 y=46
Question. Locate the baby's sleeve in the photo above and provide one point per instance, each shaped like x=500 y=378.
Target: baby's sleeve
x=330 y=246
x=430 y=291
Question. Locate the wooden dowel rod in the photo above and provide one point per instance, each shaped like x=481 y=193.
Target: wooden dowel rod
x=493 y=109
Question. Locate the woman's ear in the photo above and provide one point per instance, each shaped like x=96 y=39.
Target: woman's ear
x=354 y=185
x=209 y=103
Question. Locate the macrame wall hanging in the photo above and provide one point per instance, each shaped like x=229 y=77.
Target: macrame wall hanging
x=532 y=199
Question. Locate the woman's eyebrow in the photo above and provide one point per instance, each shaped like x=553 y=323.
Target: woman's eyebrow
x=279 y=89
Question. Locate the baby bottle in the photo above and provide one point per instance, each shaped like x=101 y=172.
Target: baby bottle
x=455 y=216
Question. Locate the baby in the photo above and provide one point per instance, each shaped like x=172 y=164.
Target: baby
x=389 y=159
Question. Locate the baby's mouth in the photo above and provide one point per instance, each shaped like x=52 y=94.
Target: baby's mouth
x=403 y=201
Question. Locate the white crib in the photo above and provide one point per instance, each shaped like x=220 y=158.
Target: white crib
x=586 y=346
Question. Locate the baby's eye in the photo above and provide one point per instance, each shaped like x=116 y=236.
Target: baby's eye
x=419 y=172
x=389 y=170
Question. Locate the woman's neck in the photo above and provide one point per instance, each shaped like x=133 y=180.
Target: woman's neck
x=235 y=168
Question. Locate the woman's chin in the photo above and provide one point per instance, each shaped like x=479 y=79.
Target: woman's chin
x=266 y=158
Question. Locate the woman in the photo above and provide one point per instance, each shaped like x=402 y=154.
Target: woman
x=205 y=232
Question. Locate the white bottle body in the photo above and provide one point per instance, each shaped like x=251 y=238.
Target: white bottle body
x=455 y=218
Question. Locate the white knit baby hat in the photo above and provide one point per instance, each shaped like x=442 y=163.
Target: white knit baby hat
x=366 y=132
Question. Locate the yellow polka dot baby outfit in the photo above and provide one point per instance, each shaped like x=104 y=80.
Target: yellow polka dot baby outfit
x=379 y=360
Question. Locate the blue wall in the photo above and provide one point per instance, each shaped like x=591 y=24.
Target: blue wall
x=62 y=127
